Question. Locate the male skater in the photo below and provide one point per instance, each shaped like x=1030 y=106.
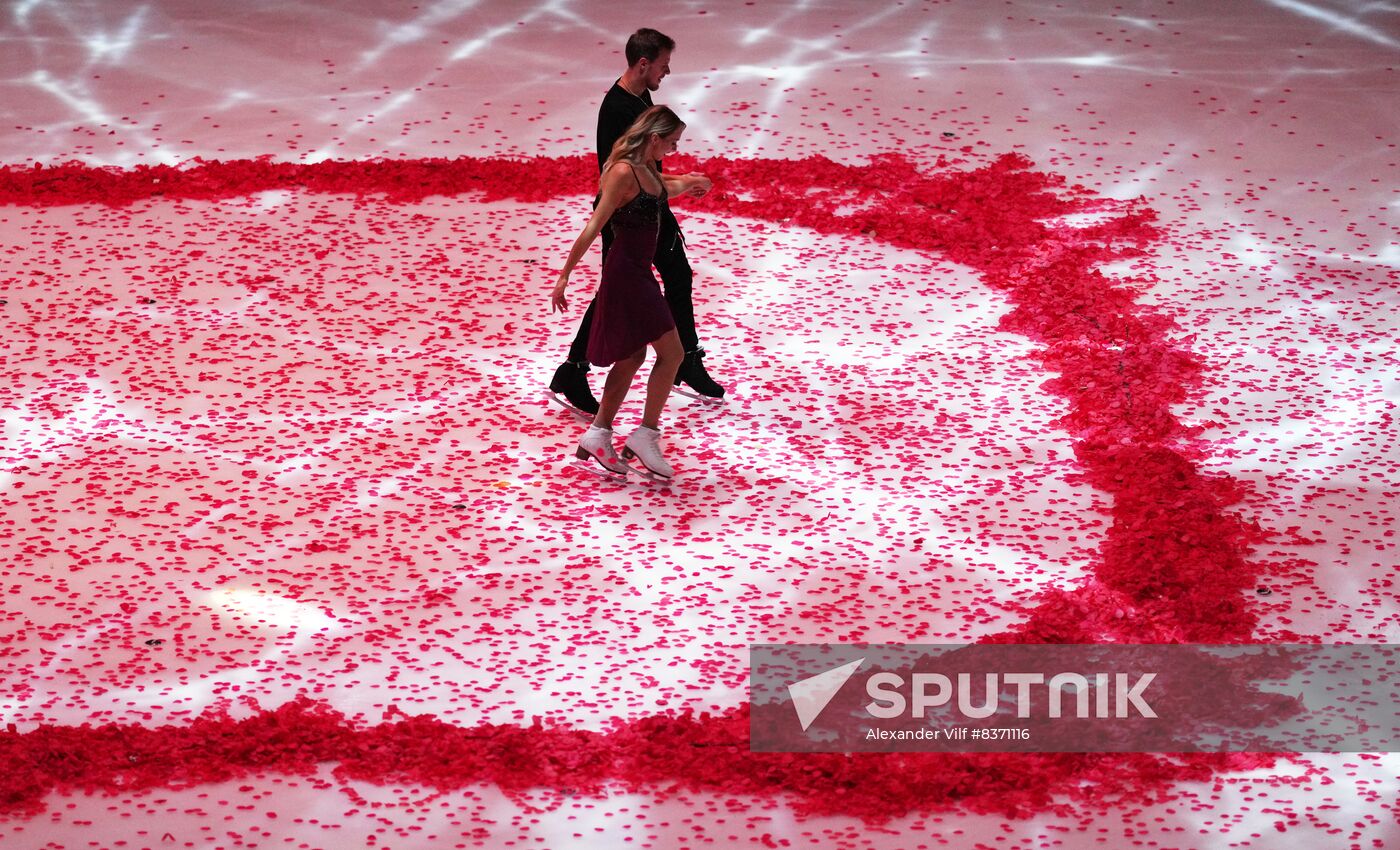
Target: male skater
x=648 y=55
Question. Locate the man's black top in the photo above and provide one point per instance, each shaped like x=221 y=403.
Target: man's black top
x=617 y=112
x=619 y=109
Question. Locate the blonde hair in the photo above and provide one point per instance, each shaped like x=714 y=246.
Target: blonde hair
x=658 y=120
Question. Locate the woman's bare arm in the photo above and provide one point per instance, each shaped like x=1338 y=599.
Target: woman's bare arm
x=619 y=188
x=693 y=184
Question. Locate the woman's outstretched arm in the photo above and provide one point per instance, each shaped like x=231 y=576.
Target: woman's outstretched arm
x=619 y=188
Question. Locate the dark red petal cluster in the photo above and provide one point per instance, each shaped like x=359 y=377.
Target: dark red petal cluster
x=704 y=752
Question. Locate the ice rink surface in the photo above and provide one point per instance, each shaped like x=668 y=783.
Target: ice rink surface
x=279 y=443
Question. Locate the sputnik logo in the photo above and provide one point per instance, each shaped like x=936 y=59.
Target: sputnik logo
x=810 y=696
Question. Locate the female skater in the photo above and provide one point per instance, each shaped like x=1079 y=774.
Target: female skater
x=630 y=312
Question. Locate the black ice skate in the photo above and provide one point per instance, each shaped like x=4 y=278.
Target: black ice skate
x=692 y=373
x=571 y=382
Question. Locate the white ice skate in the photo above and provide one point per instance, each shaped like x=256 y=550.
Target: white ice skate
x=644 y=447
x=599 y=456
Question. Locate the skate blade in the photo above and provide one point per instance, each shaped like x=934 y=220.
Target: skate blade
x=585 y=418
x=640 y=470
x=647 y=477
x=679 y=390
x=602 y=471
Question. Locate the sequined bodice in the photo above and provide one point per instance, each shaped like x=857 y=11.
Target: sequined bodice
x=642 y=212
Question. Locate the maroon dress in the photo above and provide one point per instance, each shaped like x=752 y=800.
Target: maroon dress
x=629 y=310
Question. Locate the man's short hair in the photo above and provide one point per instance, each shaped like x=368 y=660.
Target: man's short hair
x=647 y=44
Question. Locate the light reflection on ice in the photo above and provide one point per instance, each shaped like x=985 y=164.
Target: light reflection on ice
x=1337 y=21
x=277 y=612
x=103 y=47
